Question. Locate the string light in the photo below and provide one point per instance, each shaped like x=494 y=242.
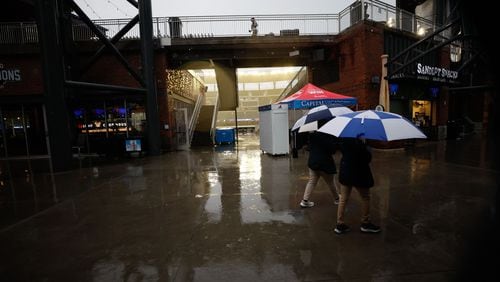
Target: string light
x=91 y=9
x=118 y=9
x=181 y=82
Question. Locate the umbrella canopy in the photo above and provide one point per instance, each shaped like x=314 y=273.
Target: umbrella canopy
x=309 y=121
x=375 y=125
x=311 y=96
x=300 y=122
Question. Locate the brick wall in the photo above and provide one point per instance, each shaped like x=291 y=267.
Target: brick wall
x=108 y=70
x=166 y=114
x=359 y=50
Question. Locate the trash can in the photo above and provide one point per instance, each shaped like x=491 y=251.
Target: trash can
x=175 y=26
x=224 y=135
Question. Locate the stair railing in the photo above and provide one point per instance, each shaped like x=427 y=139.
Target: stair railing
x=214 y=118
x=299 y=80
x=194 y=117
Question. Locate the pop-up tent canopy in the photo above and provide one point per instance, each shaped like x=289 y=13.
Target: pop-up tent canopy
x=311 y=96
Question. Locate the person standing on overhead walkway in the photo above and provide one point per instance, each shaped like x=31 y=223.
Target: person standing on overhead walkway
x=253 y=26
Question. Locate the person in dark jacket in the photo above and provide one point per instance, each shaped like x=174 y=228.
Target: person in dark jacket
x=355 y=172
x=322 y=147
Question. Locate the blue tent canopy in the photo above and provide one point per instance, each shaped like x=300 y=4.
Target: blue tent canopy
x=307 y=104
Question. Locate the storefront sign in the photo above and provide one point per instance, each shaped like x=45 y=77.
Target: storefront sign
x=393 y=88
x=8 y=75
x=100 y=127
x=435 y=73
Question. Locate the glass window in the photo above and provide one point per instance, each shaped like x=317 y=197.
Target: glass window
x=15 y=142
x=251 y=86
x=22 y=131
x=96 y=120
x=136 y=118
x=35 y=129
x=282 y=84
x=421 y=112
x=266 y=85
x=116 y=118
x=211 y=87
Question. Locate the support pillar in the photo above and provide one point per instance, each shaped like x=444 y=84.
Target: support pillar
x=153 y=117
x=57 y=114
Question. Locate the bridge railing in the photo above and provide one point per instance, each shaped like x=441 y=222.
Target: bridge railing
x=227 y=26
x=237 y=25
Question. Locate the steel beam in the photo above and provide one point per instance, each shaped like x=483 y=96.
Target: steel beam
x=152 y=114
x=106 y=41
x=113 y=40
x=98 y=86
x=57 y=114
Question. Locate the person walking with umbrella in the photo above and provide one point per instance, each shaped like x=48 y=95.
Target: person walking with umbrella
x=355 y=169
x=355 y=172
x=321 y=164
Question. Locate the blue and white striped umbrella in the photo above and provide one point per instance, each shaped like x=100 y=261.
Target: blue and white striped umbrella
x=375 y=125
x=309 y=121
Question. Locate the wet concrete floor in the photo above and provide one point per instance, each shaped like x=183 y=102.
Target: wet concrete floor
x=231 y=213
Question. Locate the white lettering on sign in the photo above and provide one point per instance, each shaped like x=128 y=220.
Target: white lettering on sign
x=436 y=71
x=10 y=75
x=7 y=75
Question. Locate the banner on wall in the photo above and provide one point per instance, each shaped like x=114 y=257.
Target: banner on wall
x=9 y=75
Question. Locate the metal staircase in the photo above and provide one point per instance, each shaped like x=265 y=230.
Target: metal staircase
x=462 y=41
x=194 y=117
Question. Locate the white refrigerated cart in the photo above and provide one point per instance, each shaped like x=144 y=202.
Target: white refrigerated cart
x=273 y=123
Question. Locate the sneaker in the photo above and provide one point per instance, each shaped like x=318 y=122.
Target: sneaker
x=341 y=228
x=370 y=228
x=336 y=202
x=306 y=204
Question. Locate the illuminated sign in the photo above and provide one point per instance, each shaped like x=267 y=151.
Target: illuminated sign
x=133 y=145
x=393 y=88
x=100 y=127
x=435 y=73
x=8 y=75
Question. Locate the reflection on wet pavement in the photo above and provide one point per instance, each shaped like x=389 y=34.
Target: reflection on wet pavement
x=231 y=213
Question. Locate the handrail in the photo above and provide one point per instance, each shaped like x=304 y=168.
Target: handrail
x=194 y=117
x=231 y=25
x=293 y=82
x=214 y=119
